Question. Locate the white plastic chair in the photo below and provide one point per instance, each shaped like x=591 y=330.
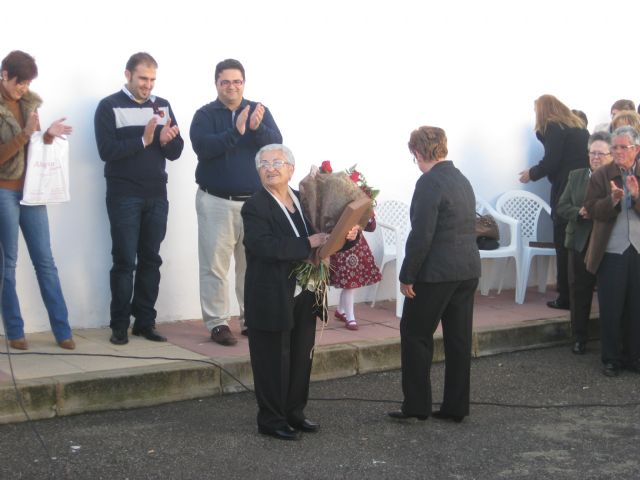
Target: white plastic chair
x=526 y=207
x=509 y=248
x=392 y=218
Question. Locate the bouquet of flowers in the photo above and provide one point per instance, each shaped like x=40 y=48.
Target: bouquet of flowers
x=358 y=178
x=324 y=196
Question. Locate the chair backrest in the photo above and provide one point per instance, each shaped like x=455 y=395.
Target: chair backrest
x=525 y=207
x=395 y=214
x=376 y=244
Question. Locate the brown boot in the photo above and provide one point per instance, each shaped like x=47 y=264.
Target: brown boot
x=67 y=344
x=19 y=344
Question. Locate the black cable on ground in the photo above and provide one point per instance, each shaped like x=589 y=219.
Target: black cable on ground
x=338 y=399
x=13 y=376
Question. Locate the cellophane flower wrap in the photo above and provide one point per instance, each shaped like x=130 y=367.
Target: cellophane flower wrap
x=324 y=195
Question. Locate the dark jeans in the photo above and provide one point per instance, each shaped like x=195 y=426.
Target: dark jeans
x=138 y=226
x=451 y=302
x=619 y=299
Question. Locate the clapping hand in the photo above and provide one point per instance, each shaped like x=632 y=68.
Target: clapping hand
x=59 y=128
x=616 y=193
x=632 y=186
x=168 y=133
x=149 y=130
x=256 y=117
x=241 y=120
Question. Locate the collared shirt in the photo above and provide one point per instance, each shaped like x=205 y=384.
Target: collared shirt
x=152 y=98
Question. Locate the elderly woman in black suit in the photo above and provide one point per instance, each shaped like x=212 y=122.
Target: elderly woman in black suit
x=439 y=277
x=281 y=323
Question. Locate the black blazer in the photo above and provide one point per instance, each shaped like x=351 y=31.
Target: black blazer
x=272 y=250
x=565 y=149
x=441 y=246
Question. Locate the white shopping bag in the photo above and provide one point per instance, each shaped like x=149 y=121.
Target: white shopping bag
x=47 y=178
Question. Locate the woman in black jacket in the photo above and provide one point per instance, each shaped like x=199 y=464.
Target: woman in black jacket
x=565 y=138
x=439 y=277
x=280 y=322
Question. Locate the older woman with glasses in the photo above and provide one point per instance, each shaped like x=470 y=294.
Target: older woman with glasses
x=571 y=208
x=439 y=277
x=280 y=322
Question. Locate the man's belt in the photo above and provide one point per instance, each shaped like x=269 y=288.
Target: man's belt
x=226 y=196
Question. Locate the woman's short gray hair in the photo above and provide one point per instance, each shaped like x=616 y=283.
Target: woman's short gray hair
x=275 y=146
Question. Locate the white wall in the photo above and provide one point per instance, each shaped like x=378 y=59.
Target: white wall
x=346 y=81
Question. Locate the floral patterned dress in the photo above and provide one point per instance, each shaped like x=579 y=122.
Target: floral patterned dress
x=356 y=267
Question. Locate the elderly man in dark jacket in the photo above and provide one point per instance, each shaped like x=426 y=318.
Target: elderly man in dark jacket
x=613 y=202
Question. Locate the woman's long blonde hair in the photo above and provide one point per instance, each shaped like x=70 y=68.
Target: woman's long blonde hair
x=551 y=110
x=626 y=117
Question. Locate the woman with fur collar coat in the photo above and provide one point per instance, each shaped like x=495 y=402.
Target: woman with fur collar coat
x=18 y=121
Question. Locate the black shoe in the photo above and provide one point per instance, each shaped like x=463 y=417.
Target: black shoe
x=447 y=416
x=284 y=433
x=306 y=426
x=579 y=348
x=558 y=304
x=400 y=415
x=119 y=337
x=149 y=333
x=610 y=370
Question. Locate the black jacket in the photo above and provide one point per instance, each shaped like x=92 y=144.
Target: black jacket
x=565 y=149
x=441 y=246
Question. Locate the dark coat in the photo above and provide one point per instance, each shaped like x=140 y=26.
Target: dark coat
x=441 y=246
x=565 y=149
x=570 y=203
x=272 y=251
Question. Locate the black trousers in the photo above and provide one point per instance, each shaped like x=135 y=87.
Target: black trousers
x=562 y=262
x=581 y=285
x=451 y=302
x=619 y=299
x=281 y=364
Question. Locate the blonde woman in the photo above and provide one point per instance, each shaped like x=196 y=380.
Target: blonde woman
x=565 y=138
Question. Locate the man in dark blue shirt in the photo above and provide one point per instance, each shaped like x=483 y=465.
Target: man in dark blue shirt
x=136 y=132
x=226 y=134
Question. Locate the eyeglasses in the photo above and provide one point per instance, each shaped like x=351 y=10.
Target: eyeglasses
x=599 y=154
x=277 y=164
x=235 y=83
x=616 y=148
x=415 y=160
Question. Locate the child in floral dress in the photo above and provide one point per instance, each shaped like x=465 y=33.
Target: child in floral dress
x=351 y=269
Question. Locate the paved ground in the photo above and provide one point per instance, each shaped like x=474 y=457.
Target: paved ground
x=216 y=437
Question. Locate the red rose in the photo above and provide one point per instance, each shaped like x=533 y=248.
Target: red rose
x=326 y=167
x=355 y=175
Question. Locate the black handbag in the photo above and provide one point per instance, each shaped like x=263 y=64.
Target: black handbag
x=487 y=233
